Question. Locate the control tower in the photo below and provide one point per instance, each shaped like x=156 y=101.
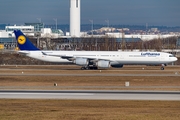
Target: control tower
x=75 y=18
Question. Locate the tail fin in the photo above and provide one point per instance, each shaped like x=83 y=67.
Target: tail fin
x=23 y=42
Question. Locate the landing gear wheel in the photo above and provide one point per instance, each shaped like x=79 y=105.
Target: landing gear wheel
x=162 y=68
x=82 y=68
x=95 y=68
x=87 y=68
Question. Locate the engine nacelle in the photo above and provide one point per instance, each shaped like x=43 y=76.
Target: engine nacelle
x=103 y=64
x=81 y=61
x=116 y=65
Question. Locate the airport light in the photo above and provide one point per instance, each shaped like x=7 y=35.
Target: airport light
x=55 y=19
x=92 y=22
x=38 y=24
x=107 y=21
x=39 y=20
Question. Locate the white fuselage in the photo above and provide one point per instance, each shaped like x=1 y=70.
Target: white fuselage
x=115 y=57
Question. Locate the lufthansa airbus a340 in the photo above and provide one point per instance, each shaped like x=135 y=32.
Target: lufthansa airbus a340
x=95 y=59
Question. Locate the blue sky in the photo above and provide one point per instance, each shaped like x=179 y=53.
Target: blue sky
x=127 y=12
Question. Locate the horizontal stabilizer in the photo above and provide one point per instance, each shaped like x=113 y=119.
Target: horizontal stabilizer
x=23 y=52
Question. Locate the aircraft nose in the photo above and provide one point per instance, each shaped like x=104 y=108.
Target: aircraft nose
x=175 y=59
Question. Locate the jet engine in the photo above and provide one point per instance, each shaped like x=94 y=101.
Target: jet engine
x=81 y=61
x=116 y=65
x=103 y=64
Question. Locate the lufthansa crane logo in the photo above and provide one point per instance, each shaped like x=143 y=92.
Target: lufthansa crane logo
x=21 y=39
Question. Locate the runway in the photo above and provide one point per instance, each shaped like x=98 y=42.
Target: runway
x=91 y=95
x=73 y=85
x=94 y=74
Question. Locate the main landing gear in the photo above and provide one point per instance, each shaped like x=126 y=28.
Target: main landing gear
x=89 y=68
x=84 y=68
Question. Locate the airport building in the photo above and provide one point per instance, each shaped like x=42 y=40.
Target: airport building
x=37 y=30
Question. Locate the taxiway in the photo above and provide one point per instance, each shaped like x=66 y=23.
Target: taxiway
x=91 y=95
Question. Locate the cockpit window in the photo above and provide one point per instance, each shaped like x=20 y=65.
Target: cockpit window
x=171 y=55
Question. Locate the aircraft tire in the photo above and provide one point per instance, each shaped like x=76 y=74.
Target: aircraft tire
x=162 y=68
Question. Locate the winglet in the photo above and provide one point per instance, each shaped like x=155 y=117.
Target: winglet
x=23 y=42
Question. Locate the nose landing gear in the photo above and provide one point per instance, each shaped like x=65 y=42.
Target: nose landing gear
x=162 y=66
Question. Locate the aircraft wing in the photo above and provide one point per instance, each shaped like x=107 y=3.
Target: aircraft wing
x=70 y=58
x=73 y=58
x=62 y=56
